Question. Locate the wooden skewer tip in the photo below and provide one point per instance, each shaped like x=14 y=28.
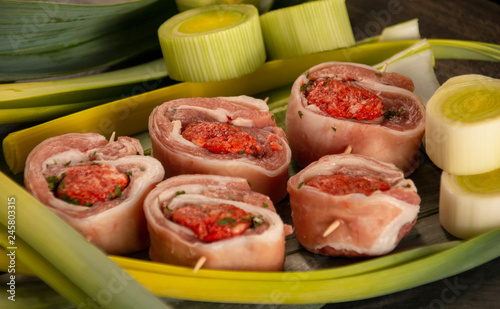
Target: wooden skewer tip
x=199 y=264
x=384 y=67
x=331 y=228
x=348 y=149
x=112 y=138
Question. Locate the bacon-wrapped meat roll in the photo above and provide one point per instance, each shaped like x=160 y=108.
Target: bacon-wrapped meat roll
x=352 y=205
x=335 y=105
x=97 y=186
x=229 y=136
x=215 y=218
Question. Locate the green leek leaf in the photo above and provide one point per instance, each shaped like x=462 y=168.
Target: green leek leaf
x=45 y=39
x=50 y=247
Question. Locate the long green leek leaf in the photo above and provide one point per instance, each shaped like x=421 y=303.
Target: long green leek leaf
x=456 y=49
x=43 y=113
x=57 y=280
x=293 y=289
x=129 y=116
x=49 y=238
x=44 y=39
x=371 y=265
x=108 y=85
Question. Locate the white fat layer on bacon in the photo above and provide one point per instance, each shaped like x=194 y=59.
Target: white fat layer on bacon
x=352 y=166
x=217 y=114
x=72 y=156
x=250 y=102
x=220 y=115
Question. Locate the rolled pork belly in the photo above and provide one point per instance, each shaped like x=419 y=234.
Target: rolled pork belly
x=336 y=105
x=97 y=186
x=352 y=205
x=215 y=218
x=228 y=136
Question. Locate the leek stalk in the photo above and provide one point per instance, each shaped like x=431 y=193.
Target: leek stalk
x=108 y=85
x=117 y=115
x=470 y=205
x=43 y=113
x=462 y=125
x=194 y=43
x=50 y=247
x=46 y=39
x=46 y=100
x=25 y=255
x=306 y=28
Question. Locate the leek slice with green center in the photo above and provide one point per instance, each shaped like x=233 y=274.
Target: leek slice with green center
x=462 y=125
x=306 y=28
x=470 y=205
x=212 y=43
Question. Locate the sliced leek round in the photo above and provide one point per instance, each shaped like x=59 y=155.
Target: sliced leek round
x=306 y=28
x=213 y=43
x=463 y=125
x=262 y=5
x=470 y=205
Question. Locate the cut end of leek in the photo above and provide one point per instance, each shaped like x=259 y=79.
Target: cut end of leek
x=462 y=125
x=470 y=205
x=212 y=43
x=416 y=62
x=407 y=30
x=184 y=5
x=306 y=28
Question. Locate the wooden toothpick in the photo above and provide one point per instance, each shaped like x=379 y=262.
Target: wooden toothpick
x=199 y=264
x=348 y=149
x=332 y=227
x=384 y=67
x=112 y=138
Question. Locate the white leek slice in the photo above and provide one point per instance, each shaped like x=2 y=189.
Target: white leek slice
x=470 y=205
x=463 y=125
x=306 y=28
x=407 y=30
x=416 y=62
x=183 y=5
x=213 y=43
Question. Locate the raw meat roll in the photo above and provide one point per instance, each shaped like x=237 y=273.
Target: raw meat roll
x=215 y=218
x=229 y=136
x=352 y=205
x=335 y=105
x=96 y=186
